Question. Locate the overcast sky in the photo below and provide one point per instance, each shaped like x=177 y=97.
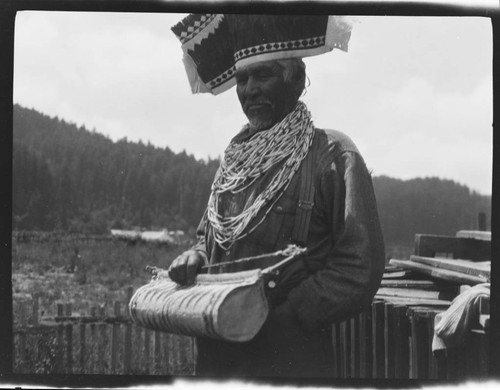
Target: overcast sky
x=414 y=93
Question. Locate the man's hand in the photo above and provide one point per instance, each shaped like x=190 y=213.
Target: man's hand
x=184 y=268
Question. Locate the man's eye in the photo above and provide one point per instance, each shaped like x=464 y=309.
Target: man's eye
x=264 y=75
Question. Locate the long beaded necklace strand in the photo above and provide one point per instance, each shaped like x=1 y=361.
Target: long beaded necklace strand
x=245 y=162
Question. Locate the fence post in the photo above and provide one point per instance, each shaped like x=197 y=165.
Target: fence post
x=103 y=339
x=365 y=344
x=115 y=337
x=83 y=346
x=345 y=347
x=389 y=339
x=94 y=356
x=157 y=352
x=355 y=347
x=23 y=315
x=59 y=338
x=69 y=339
x=147 y=342
x=36 y=305
x=128 y=337
x=378 y=340
x=402 y=353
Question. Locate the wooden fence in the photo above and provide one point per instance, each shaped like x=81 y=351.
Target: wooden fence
x=98 y=343
x=387 y=341
x=57 y=237
x=392 y=341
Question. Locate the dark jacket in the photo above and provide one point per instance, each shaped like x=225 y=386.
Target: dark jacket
x=335 y=281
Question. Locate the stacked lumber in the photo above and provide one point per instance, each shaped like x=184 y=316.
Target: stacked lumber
x=452 y=270
x=430 y=281
x=404 y=286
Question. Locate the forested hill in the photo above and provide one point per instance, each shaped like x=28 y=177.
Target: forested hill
x=66 y=177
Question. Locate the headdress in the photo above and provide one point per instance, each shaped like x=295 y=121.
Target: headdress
x=215 y=45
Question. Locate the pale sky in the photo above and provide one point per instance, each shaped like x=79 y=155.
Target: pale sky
x=414 y=93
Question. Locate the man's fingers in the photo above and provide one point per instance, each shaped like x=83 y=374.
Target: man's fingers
x=192 y=266
x=184 y=267
x=177 y=270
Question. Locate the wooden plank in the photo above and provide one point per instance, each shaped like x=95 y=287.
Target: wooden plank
x=477 y=357
x=169 y=343
x=83 y=348
x=354 y=355
x=389 y=346
x=177 y=354
x=139 y=363
x=461 y=248
x=94 y=358
x=147 y=350
x=419 y=344
x=414 y=301
x=127 y=350
x=60 y=350
x=475 y=234
x=336 y=350
x=419 y=284
x=416 y=293
x=378 y=358
x=441 y=363
x=401 y=343
x=128 y=339
x=192 y=355
x=157 y=353
x=456 y=367
x=475 y=268
x=23 y=317
x=59 y=342
x=103 y=348
x=439 y=273
x=345 y=347
x=433 y=363
x=398 y=275
x=69 y=340
x=115 y=339
x=365 y=344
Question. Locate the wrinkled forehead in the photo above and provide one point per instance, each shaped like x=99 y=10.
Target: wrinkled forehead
x=268 y=66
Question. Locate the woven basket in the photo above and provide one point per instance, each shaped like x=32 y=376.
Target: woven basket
x=230 y=306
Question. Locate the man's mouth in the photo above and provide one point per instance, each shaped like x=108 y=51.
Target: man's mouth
x=257 y=106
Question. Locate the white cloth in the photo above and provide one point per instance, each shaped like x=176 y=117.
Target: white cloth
x=452 y=326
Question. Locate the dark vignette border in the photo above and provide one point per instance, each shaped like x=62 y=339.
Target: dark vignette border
x=8 y=10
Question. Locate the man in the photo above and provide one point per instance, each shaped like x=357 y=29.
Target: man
x=260 y=196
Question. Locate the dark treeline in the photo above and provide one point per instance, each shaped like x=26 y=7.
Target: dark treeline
x=68 y=178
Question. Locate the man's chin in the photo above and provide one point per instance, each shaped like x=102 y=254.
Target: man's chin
x=259 y=125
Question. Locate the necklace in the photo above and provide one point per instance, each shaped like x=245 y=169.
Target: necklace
x=288 y=141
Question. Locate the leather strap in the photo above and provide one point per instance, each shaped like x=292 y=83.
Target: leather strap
x=306 y=200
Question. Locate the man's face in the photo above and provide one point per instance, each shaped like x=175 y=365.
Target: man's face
x=264 y=95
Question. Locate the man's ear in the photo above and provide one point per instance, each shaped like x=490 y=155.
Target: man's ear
x=300 y=83
x=299 y=86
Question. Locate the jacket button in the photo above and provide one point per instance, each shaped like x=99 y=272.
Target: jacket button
x=228 y=253
x=279 y=208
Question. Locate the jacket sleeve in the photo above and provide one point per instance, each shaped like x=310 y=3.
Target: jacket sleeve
x=349 y=271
